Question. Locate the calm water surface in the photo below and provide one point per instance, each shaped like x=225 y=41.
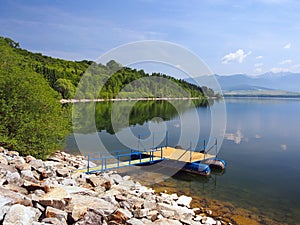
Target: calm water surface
x=261 y=147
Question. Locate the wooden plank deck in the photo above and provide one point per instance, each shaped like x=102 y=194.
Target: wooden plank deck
x=181 y=155
x=115 y=165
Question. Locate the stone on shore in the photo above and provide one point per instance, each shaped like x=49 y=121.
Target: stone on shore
x=21 y=215
x=36 y=192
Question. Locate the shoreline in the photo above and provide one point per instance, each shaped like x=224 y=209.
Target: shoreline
x=37 y=192
x=50 y=192
x=127 y=99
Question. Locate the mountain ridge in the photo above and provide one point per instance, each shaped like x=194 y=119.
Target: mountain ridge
x=282 y=83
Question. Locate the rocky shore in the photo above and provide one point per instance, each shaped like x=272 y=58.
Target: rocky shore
x=39 y=192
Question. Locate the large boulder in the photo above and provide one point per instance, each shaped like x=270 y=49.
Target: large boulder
x=96 y=181
x=21 y=215
x=5 y=204
x=16 y=197
x=120 y=216
x=184 y=201
x=57 y=198
x=14 y=178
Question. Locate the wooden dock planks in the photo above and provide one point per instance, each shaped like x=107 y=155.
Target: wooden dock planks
x=181 y=155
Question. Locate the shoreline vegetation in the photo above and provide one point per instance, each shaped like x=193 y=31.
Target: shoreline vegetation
x=39 y=192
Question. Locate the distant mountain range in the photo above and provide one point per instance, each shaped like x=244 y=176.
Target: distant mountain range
x=268 y=84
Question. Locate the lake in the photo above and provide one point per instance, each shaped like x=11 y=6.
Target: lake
x=261 y=146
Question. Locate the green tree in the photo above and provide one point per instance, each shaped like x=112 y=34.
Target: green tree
x=32 y=121
x=65 y=88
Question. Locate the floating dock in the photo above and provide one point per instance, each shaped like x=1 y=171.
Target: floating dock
x=187 y=160
x=182 y=155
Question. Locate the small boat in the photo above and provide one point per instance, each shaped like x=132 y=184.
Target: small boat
x=198 y=168
x=215 y=163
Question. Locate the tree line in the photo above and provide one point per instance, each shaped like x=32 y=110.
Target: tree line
x=32 y=121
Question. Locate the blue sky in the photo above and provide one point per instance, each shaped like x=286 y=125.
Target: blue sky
x=251 y=37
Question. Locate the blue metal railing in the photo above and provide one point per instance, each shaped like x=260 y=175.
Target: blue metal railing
x=128 y=156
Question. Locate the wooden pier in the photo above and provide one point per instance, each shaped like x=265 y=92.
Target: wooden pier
x=132 y=158
x=182 y=155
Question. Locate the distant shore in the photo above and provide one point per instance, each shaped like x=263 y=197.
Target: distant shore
x=126 y=99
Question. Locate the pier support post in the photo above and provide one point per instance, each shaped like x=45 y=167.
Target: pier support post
x=88 y=164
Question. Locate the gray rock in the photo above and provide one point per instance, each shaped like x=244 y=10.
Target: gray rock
x=135 y=203
x=167 y=213
x=32 y=186
x=56 y=213
x=110 y=199
x=17 y=160
x=184 y=201
x=57 y=198
x=14 y=178
x=149 y=205
x=98 y=181
x=69 y=182
x=134 y=221
x=63 y=172
x=90 y=202
x=165 y=221
x=77 y=190
x=21 y=215
x=116 y=178
x=49 y=184
x=28 y=175
x=16 y=197
x=5 y=204
x=180 y=212
x=91 y=218
x=140 y=213
x=3 y=160
x=54 y=221
x=36 y=164
x=16 y=188
x=5 y=168
x=78 y=212
x=208 y=221
x=120 y=216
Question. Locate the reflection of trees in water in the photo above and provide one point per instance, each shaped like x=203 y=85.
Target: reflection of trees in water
x=139 y=113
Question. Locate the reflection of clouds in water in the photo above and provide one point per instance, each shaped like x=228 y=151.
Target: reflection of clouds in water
x=283 y=147
x=257 y=136
x=177 y=125
x=236 y=137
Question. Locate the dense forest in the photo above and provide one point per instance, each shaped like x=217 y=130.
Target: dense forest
x=92 y=80
x=32 y=120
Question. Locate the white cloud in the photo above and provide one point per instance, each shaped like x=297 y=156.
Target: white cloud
x=258 y=64
x=258 y=70
x=296 y=66
x=279 y=69
x=287 y=46
x=235 y=137
x=286 y=61
x=259 y=57
x=238 y=56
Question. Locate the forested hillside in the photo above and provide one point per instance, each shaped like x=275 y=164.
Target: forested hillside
x=100 y=81
x=32 y=121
